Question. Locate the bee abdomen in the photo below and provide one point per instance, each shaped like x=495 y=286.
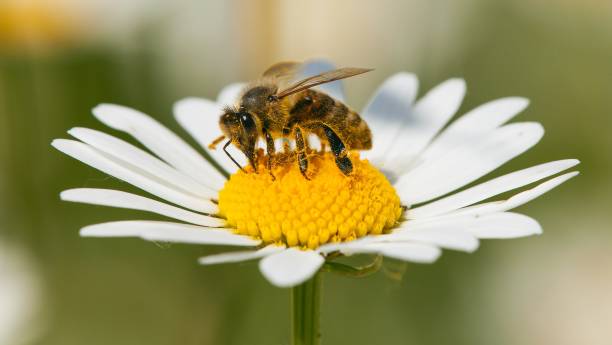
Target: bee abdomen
x=349 y=125
x=359 y=136
x=313 y=107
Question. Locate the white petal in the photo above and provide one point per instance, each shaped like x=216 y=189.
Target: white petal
x=505 y=225
x=229 y=94
x=405 y=251
x=168 y=232
x=390 y=106
x=472 y=125
x=200 y=118
x=129 y=153
x=482 y=226
x=430 y=114
x=338 y=246
x=132 y=175
x=314 y=142
x=490 y=188
x=240 y=256
x=465 y=164
x=450 y=237
x=115 y=198
x=514 y=201
x=413 y=252
x=314 y=67
x=161 y=141
x=291 y=267
x=446 y=233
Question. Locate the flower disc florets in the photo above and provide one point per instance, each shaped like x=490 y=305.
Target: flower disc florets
x=298 y=212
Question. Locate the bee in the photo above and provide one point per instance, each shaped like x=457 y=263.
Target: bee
x=269 y=111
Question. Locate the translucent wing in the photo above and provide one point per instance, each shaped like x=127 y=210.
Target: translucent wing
x=322 y=78
x=282 y=69
x=318 y=66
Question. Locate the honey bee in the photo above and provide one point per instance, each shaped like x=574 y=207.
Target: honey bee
x=269 y=111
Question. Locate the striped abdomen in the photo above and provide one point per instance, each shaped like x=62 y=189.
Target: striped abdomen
x=313 y=110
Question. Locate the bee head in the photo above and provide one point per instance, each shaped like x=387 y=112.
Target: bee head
x=239 y=126
x=260 y=100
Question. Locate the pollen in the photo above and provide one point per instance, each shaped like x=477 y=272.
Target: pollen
x=298 y=212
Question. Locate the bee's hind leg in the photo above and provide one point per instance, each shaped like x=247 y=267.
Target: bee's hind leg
x=339 y=150
x=300 y=145
x=271 y=150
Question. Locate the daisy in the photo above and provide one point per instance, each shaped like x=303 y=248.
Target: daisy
x=406 y=198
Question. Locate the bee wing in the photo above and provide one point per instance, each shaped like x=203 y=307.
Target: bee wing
x=282 y=69
x=322 y=78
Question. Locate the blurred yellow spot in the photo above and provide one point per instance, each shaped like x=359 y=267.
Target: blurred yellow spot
x=297 y=212
x=35 y=24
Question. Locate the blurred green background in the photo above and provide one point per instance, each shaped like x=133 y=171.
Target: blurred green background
x=60 y=58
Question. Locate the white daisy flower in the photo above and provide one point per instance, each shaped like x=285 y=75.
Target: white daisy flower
x=401 y=200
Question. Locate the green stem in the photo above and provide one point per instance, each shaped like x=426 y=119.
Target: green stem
x=306 y=300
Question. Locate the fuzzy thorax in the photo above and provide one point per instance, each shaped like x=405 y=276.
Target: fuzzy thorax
x=297 y=212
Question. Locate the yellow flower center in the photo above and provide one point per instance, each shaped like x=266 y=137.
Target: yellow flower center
x=291 y=210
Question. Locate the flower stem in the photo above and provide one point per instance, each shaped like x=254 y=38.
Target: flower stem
x=306 y=301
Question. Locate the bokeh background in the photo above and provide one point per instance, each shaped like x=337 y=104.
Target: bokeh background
x=60 y=58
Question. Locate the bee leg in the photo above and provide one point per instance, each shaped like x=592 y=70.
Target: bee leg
x=286 y=134
x=215 y=142
x=230 y=156
x=253 y=162
x=301 y=152
x=337 y=146
x=271 y=152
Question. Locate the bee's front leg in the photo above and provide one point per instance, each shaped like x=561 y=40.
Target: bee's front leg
x=271 y=150
x=286 y=134
x=300 y=145
x=215 y=142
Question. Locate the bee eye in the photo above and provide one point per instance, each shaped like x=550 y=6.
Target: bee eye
x=247 y=121
x=272 y=98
